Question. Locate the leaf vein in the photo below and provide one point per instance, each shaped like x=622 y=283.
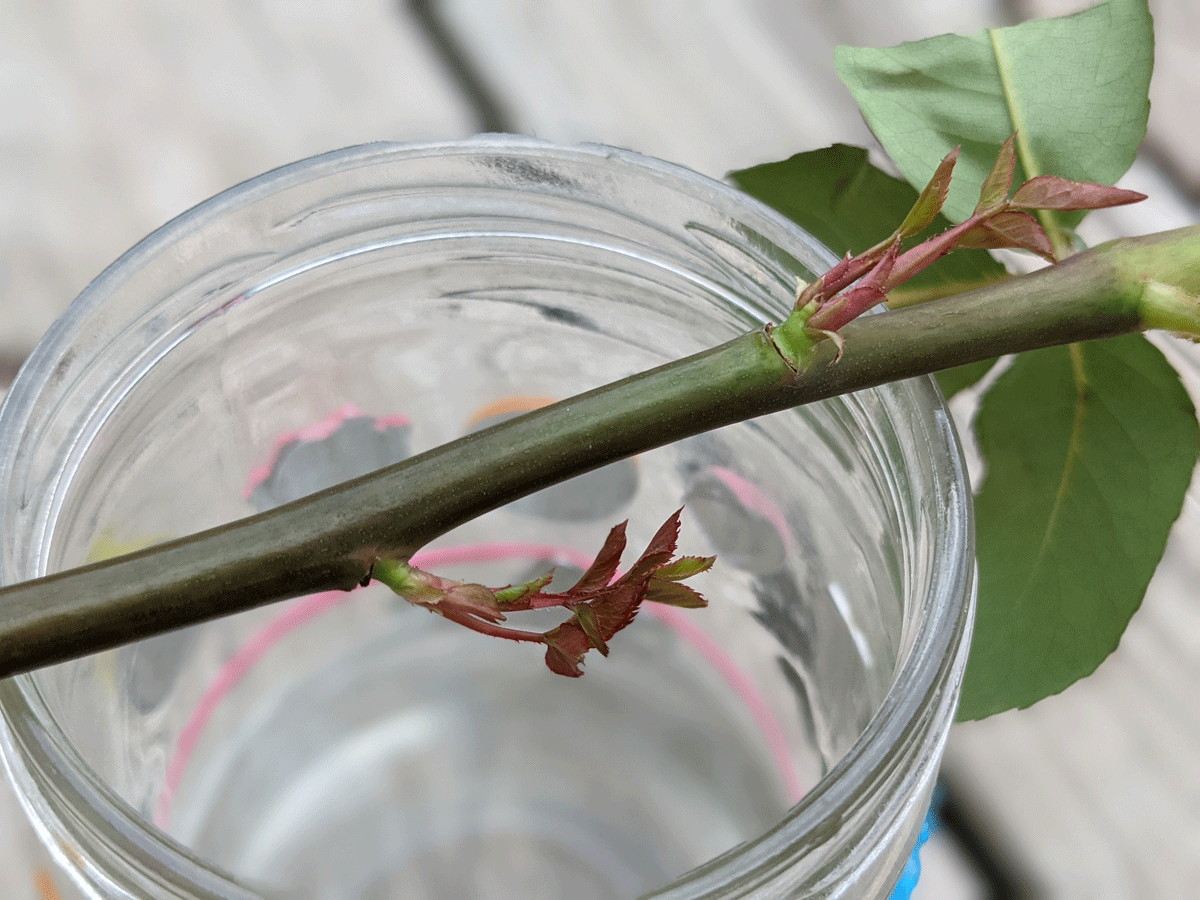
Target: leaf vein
x=1008 y=92
x=1073 y=453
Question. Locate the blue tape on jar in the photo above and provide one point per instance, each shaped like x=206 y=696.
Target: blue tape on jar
x=912 y=870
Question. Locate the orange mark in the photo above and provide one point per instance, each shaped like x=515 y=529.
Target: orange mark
x=45 y=885
x=507 y=406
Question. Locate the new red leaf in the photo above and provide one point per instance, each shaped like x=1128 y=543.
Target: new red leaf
x=593 y=625
x=604 y=566
x=599 y=605
x=1015 y=230
x=565 y=648
x=658 y=552
x=1052 y=192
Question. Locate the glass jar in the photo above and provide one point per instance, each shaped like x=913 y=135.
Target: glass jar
x=343 y=312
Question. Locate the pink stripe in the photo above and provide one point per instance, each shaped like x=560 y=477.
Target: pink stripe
x=746 y=690
x=230 y=675
x=752 y=497
x=317 y=431
x=383 y=423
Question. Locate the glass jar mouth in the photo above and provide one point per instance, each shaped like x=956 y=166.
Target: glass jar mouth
x=918 y=704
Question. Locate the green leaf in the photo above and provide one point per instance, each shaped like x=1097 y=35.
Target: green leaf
x=672 y=593
x=996 y=186
x=515 y=593
x=685 y=567
x=586 y=617
x=929 y=203
x=850 y=205
x=1073 y=88
x=1090 y=449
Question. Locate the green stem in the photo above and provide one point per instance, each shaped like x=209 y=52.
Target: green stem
x=1060 y=238
x=333 y=539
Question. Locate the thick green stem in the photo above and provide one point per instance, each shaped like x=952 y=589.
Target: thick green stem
x=332 y=539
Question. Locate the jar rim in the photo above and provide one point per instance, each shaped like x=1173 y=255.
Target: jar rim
x=926 y=675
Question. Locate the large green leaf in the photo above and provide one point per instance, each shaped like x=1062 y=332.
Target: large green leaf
x=951 y=381
x=850 y=205
x=1074 y=88
x=1089 y=449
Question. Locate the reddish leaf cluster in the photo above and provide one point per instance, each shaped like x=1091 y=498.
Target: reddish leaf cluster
x=601 y=603
x=860 y=282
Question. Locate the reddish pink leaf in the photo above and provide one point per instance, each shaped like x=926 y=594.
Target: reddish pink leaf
x=473 y=600
x=822 y=287
x=604 y=566
x=1052 y=192
x=603 y=613
x=615 y=608
x=618 y=607
x=658 y=552
x=566 y=646
x=853 y=303
x=601 y=607
x=667 y=536
x=844 y=273
x=1016 y=230
x=869 y=292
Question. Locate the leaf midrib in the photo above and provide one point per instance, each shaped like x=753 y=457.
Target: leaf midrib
x=1074 y=451
x=1029 y=163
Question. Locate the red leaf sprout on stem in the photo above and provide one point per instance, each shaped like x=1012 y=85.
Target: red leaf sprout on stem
x=601 y=602
x=998 y=222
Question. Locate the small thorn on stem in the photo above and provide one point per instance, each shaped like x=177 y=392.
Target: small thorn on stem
x=838 y=341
